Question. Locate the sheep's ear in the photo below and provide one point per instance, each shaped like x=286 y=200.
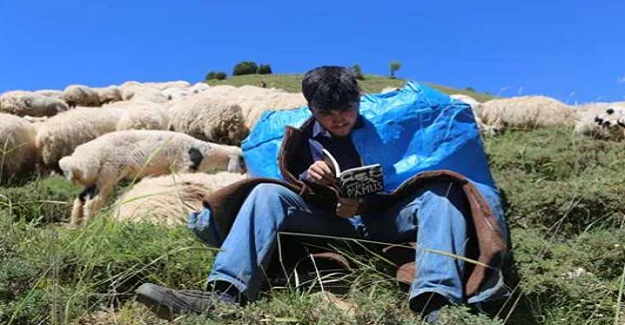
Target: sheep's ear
x=195 y=157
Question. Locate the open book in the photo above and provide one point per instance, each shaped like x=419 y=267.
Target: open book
x=356 y=182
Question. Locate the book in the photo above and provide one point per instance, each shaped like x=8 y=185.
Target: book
x=358 y=181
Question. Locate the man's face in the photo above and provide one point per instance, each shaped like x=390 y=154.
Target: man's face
x=338 y=123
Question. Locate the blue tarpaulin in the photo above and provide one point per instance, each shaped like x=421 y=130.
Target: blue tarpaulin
x=408 y=131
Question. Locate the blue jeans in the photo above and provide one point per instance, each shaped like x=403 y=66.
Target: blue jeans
x=434 y=217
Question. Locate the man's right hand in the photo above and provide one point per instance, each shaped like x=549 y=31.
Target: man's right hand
x=320 y=173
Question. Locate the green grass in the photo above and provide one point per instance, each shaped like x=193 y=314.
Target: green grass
x=371 y=84
x=565 y=203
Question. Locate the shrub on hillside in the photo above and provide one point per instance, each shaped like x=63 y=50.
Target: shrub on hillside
x=264 y=69
x=245 y=67
x=210 y=75
x=394 y=66
x=221 y=76
x=357 y=71
x=213 y=75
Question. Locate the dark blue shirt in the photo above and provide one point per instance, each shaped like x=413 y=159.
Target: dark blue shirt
x=342 y=148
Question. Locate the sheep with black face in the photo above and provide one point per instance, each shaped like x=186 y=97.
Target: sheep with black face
x=102 y=163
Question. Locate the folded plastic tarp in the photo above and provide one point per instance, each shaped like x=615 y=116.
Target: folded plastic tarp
x=412 y=130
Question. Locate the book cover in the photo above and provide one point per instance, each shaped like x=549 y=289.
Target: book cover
x=356 y=182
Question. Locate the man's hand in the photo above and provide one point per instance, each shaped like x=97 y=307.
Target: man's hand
x=320 y=173
x=347 y=208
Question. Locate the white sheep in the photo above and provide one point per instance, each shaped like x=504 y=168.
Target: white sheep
x=613 y=116
x=35 y=120
x=136 y=91
x=60 y=135
x=79 y=95
x=199 y=87
x=143 y=116
x=205 y=117
x=169 y=199
x=476 y=107
x=109 y=94
x=56 y=94
x=527 y=112
x=254 y=101
x=266 y=100
x=18 y=154
x=601 y=120
x=176 y=93
x=180 y=84
x=24 y=103
x=102 y=163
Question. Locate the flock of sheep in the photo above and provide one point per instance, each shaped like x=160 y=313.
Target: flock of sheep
x=166 y=135
x=136 y=131
x=599 y=120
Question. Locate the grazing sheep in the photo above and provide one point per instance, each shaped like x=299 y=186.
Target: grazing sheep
x=476 y=107
x=109 y=94
x=23 y=103
x=169 y=199
x=262 y=100
x=18 y=154
x=613 y=116
x=180 y=84
x=79 y=95
x=35 y=120
x=102 y=163
x=198 y=88
x=611 y=122
x=526 y=112
x=254 y=101
x=176 y=93
x=136 y=91
x=60 y=135
x=143 y=116
x=56 y=94
x=587 y=123
x=210 y=119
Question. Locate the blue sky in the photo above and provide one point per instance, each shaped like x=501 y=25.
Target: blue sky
x=571 y=50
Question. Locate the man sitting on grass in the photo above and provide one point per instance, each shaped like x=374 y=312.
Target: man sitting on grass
x=436 y=209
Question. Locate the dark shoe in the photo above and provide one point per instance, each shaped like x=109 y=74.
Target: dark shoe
x=429 y=305
x=433 y=317
x=167 y=303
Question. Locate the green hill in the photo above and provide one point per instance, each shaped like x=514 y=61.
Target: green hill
x=371 y=84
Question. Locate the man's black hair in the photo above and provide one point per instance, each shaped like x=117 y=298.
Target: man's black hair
x=331 y=88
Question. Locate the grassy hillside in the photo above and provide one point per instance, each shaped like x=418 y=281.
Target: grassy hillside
x=371 y=84
x=565 y=205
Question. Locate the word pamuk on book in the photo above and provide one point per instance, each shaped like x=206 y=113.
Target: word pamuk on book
x=356 y=182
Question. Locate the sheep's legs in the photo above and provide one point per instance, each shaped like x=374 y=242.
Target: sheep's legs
x=94 y=203
x=79 y=204
x=77 y=214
